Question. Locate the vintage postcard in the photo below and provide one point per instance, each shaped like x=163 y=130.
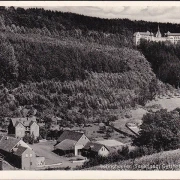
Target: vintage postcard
x=89 y=87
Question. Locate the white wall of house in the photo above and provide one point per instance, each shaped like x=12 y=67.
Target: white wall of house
x=19 y=131
x=80 y=144
x=103 y=152
x=34 y=129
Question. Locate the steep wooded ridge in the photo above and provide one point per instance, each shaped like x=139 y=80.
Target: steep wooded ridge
x=164 y=59
x=76 y=67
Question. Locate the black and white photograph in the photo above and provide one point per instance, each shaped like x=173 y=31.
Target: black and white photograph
x=89 y=88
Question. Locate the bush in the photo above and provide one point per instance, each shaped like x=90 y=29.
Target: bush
x=159 y=131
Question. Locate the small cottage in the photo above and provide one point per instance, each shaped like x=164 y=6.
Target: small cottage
x=93 y=149
x=71 y=142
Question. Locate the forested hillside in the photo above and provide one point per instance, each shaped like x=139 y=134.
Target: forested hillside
x=36 y=18
x=165 y=60
x=76 y=67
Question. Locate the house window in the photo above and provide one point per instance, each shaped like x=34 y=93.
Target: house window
x=26 y=155
x=30 y=155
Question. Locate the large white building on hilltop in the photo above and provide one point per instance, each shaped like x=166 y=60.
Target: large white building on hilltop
x=171 y=37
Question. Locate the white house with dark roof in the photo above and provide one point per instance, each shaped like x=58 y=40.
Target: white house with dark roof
x=21 y=126
x=112 y=144
x=92 y=149
x=17 y=152
x=71 y=142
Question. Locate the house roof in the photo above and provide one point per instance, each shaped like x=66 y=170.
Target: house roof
x=7 y=143
x=20 y=151
x=31 y=123
x=66 y=144
x=142 y=33
x=173 y=34
x=94 y=146
x=110 y=143
x=71 y=135
x=24 y=121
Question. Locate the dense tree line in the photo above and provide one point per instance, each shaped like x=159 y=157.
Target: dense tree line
x=164 y=59
x=37 y=58
x=39 y=18
x=160 y=130
x=90 y=100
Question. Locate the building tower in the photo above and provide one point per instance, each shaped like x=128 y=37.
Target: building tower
x=158 y=34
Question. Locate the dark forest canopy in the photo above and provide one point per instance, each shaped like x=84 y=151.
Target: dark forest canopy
x=39 y=18
x=164 y=59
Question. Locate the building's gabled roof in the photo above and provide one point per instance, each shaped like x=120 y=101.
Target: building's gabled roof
x=15 y=121
x=173 y=34
x=20 y=151
x=66 y=144
x=7 y=143
x=94 y=146
x=24 y=121
x=142 y=33
x=71 y=135
x=110 y=143
x=32 y=123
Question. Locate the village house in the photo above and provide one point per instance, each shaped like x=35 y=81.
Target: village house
x=93 y=149
x=112 y=145
x=71 y=142
x=19 y=127
x=17 y=153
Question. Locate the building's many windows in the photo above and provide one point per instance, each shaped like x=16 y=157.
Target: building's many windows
x=172 y=37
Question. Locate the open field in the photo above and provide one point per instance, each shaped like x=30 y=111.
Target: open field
x=135 y=115
x=166 y=102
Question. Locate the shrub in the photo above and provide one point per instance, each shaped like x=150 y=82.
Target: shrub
x=159 y=131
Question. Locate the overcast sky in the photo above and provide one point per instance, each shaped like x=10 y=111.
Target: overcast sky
x=149 y=13
x=147 y=10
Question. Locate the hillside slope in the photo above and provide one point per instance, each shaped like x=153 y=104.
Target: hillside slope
x=77 y=78
x=167 y=160
x=66 y=74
